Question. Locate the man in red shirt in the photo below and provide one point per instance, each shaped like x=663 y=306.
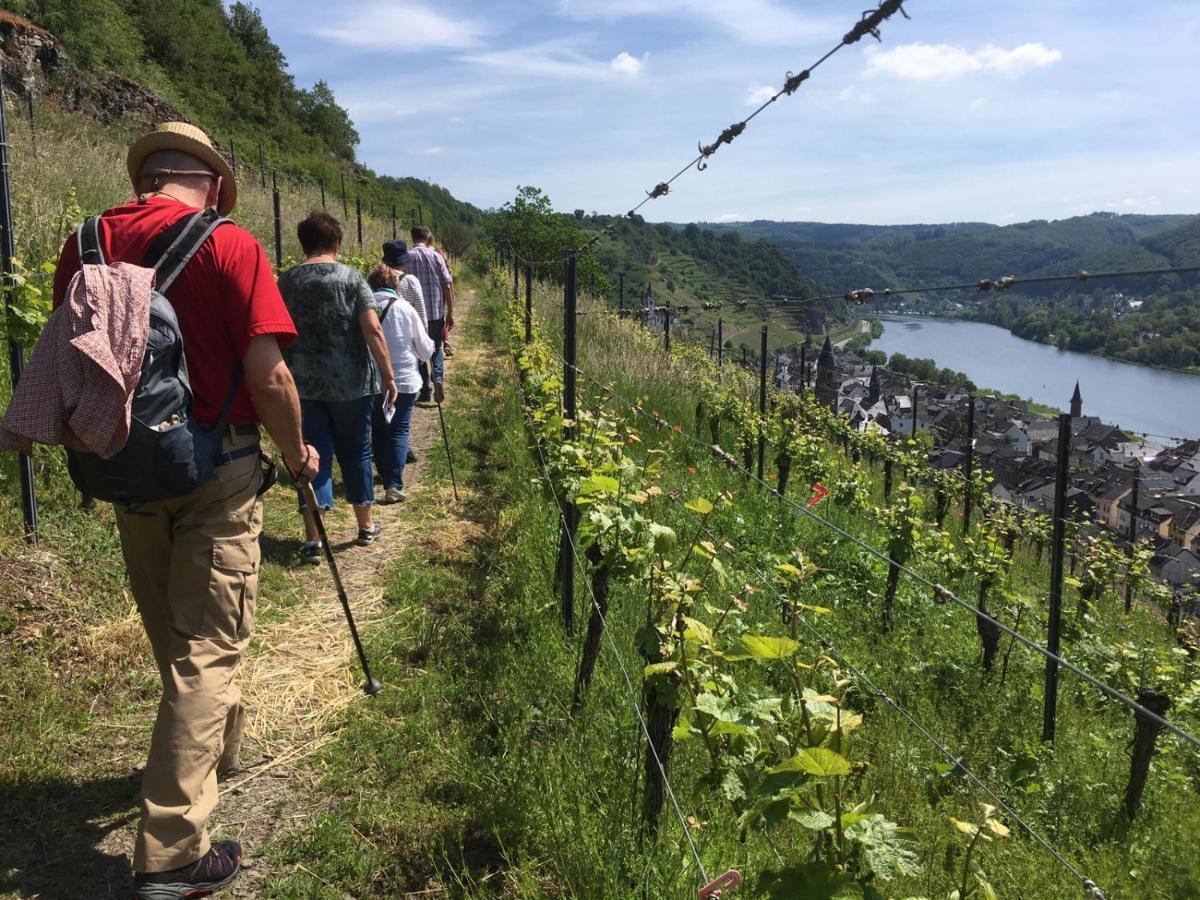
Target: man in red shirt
x=193 y=561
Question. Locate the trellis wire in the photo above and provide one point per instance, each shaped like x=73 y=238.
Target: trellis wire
x=941 y=593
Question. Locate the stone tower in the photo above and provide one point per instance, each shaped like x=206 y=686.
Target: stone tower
x=1076 y=403
x=827 y=387
x=875 y=390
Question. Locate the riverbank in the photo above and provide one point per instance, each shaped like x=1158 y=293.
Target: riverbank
x=967 y=317
x=1157 y=402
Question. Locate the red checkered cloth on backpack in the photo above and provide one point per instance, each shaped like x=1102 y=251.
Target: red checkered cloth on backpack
x=78 y=388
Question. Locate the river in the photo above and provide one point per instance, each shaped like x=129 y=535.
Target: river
x=1134 y=397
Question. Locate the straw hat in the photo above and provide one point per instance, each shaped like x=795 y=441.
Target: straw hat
x=191 y=140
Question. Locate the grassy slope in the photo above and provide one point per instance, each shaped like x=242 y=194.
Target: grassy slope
x=470 y=778
x=76 y=685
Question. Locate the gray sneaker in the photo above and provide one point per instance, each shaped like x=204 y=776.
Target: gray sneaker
x=439 y=393
x=393 y=495
x=209 y=874
x=366 y=536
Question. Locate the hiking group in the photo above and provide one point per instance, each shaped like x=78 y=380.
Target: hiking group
x=330 y=363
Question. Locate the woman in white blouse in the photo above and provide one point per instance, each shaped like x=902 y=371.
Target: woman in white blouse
x=407 y=342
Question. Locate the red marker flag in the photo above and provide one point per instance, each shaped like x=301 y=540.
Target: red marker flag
x=820 y=492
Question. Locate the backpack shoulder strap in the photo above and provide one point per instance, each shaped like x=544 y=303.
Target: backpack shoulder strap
x=188 y=236
x=88 y=239
x=386 y=307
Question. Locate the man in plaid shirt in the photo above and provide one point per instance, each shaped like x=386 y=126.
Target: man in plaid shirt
x=438 y=287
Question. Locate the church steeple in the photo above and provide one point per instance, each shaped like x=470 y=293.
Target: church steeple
x=827 y=388
x=875 y=390
x=1076 y=402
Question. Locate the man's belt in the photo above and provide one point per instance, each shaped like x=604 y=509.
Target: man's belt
x=239 y=453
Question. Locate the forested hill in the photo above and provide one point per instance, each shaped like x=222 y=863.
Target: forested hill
x=1152 y=320
x=852 y=256
x=213 y=65
x=692 y=265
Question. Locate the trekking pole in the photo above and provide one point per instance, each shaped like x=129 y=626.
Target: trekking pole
x=438 y=396
x=372 y=686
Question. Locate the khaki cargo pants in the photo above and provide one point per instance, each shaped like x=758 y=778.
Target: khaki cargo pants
x=193 y=566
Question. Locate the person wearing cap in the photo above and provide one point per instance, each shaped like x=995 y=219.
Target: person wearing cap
x=407 y=343
x=395 y=256
x=437 y=285
x=193 y=561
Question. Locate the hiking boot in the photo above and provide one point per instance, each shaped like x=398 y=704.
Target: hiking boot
x=423 y=396
x=410 y=459
x=366 y=536
x=439 y=392
x=311 y=553
x=447 y=350
x=215 y=869
x=392 y=495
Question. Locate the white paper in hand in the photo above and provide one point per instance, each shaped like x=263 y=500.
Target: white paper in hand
x=388 y=413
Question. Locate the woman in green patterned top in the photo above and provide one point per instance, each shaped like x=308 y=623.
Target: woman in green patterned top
x=339 y=361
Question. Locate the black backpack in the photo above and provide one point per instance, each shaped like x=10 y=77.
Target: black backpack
x=167 y=454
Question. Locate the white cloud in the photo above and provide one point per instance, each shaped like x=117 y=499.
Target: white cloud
x=626 y=64
x=853 y=94
x=757 y=95
x=553 y=60
x=749 y=21
x=383 y=101
x=401 y=27
x=432 y=151
x=926 y=62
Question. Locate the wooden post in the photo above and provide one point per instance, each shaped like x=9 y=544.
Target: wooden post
x=528 y=302
x=667 y=329
x=345 y=205
x=358 y=216
x=720 y=342
x=1132 y=536
x=622 y=306
x=516 y=278
x=1145 y=734
x=16 y=359
x=712 y=343
x=1050 y=693
x=394 y=221
x=591 y=644
x=232 y=157
x=762 y=401
x=420 y=214
x=278 y=222
x=803 y=368
x=915 y=394
x=569 y=412
x=969 y=463
x=887 y=478
x=324 y=205
x=32 y=121
x=262 y=165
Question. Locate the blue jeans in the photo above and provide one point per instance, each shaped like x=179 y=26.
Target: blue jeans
x=390 y=439
x=341 y=428
x=438 y=360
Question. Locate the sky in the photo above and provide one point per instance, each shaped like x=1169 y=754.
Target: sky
x=970 y=111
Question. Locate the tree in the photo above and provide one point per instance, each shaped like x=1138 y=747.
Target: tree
x=528 y=225
x=322 y=116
